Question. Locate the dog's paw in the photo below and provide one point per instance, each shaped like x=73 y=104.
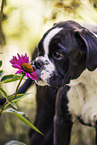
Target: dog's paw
x=89 y=114
x=90 y=120
x=94 y=120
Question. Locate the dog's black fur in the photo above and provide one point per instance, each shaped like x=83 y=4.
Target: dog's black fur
x=44 y=119
x=69 y=49
x=46 y=97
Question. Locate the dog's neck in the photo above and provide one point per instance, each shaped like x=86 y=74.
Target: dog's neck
x=88 y=78
x=86 y=84
x=83 y=96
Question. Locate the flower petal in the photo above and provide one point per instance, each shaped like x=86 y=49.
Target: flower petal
x=27 y=75
x=18 y=72
x=33 y=76
x=16 y=66
x=25 y=58
x=11 y=61
x=20 y=59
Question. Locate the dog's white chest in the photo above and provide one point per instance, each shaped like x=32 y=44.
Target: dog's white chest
x=83 y=97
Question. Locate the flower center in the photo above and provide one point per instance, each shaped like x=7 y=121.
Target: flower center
x=27 y=67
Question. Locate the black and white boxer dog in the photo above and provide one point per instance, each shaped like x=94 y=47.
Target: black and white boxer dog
x=67 y=60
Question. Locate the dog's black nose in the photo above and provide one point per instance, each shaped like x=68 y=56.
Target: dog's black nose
x=38 y=63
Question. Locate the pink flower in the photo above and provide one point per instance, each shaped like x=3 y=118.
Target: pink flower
x=23 y=66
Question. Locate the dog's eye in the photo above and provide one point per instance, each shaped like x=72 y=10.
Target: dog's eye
x=58 y=55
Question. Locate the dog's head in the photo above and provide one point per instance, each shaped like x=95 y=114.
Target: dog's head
x=64 y=52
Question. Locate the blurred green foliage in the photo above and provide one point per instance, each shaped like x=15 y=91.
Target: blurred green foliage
x=23 y=23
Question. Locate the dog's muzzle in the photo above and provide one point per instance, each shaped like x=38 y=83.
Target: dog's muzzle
x=46 y=73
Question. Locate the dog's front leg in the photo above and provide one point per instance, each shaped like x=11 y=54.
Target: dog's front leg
x=96 y=137
x=62 y=119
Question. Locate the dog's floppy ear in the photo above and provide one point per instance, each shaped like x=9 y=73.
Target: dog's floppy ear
x=87 y=43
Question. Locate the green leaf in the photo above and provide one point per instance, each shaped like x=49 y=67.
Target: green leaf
x=1 y=72
x=0 y=63
x=12 y=101
x=10 y=78
x=22 y=117
x=3 y=92
x=13 y=104
x=14 y=142
x=18 y=97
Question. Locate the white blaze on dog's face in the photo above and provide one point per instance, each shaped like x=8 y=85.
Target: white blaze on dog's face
x=47 y=69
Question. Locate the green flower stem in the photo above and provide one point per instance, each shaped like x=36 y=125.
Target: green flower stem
x=3 y=107
x=18 y=86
